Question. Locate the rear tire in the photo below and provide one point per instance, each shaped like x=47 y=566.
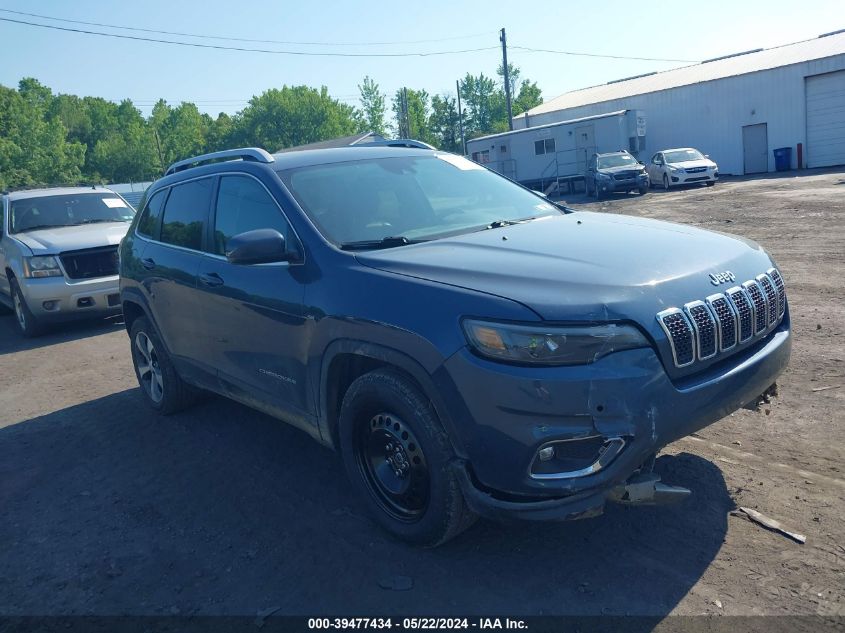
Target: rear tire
x=28 y=325
x=163 y=390
x=398 y=457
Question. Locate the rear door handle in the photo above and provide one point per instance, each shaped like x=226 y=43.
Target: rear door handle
x=211 y=279
x=148 y=263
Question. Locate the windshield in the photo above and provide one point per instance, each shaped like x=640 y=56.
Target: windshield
x=618 y=160
x=43 y=212
x=412 y=197
x=681 y=155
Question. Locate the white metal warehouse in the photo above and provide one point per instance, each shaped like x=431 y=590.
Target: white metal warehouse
x=737 y=109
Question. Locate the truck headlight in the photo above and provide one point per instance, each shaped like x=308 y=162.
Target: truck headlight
x=537 y=344
x=41 y=266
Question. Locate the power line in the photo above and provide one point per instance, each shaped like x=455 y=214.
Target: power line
x=246 y=50
x=579 y=54
x=243 y=39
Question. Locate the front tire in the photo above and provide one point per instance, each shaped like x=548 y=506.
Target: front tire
x=398 y=456
x=665 y=182
x=28 y=325
x=163 y=390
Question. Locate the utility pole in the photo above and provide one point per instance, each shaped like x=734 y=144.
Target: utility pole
x=504 y=40
x=406 y=118
x=461 y=117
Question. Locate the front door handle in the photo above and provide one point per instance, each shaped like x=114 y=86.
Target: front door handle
x=211 y=279
x=148 y=263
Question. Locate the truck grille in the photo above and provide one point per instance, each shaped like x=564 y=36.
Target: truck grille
x=90 y=263
x=722 y=321
x=781 y=289
x=681 y=336
x=705 y=329
x=745 y=312
x=726 y=317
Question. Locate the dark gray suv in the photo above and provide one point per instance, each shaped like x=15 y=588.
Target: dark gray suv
x=468 y=347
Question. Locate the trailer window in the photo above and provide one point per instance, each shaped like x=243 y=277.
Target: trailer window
x=546 y=146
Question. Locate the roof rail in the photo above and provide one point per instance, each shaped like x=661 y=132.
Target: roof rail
x=255 y=154
x=396 y=142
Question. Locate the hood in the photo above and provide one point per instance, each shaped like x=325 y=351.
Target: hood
x=582 y=266
x=689 y=164
x=621 y=168
x=72 y=238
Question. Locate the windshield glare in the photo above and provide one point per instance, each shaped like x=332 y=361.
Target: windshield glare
x=39 y=212
x=416 y=197
x=619 y=160
x=682 y=155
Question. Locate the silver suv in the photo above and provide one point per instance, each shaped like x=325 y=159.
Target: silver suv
x=58 y=254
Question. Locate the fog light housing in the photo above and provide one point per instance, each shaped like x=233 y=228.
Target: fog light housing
x=545 y=454
x=49 y=305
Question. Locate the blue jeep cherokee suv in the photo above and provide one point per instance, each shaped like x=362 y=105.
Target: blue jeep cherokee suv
x=467 y=346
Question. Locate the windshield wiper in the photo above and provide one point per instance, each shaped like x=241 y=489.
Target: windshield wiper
x=385 y=242
x=38 y=227
x=497 y=224
x=95 y=221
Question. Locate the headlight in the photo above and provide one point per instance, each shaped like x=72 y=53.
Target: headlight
x=552 y=345
x=602 y=176
x=675 y=169
x=43 y=266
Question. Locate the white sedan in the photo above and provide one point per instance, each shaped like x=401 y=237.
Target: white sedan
x=682 y=166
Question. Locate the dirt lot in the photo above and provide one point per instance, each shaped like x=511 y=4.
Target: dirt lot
x=107 y=509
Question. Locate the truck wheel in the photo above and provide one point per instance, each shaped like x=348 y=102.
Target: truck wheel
x=397 y=457
x=665 y=182
x=161 y=386
x=27 y=323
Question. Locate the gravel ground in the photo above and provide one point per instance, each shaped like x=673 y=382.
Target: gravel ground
x=108 y=509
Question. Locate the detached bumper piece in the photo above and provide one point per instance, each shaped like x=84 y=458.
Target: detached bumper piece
x=647 y=490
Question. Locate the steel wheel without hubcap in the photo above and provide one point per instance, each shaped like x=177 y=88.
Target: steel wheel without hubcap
x=149 y=370
x=394 y=467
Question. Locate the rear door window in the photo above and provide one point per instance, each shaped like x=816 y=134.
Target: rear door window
x=186 y=213
x=243 y=204
x=150 y=216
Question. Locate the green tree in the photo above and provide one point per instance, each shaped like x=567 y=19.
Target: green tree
x=128 y=152
x=33 y=147
x=372 y=107
x=529 y=97
x=444 y=124
x=418 y=115
x=294 y=115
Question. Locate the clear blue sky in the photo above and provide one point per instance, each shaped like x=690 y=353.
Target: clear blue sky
x=225 y=80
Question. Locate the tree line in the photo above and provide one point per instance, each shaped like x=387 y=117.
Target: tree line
x=48 y=138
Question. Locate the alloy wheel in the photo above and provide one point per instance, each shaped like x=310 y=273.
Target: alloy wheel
x=149 y=370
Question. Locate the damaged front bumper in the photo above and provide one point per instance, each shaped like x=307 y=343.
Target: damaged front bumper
x=504 y=415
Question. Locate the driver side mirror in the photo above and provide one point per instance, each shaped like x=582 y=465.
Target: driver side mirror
x=261 y=246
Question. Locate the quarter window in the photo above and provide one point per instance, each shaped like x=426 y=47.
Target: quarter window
x=244 y=205
x=185 y=214
x=148 y=223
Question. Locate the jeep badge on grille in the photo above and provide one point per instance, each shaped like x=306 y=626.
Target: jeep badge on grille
x=721 y=278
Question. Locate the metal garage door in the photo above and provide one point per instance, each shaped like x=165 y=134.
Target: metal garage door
x=826 y=119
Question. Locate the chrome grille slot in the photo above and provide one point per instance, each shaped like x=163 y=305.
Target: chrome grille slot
x=772 y=303
x=706 y=335
x=680 y=334
x=780 y=286
x=755 y=293
x=726 y=317
x=744 y=310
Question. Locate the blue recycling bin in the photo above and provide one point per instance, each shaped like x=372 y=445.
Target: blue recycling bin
x=783 y=158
